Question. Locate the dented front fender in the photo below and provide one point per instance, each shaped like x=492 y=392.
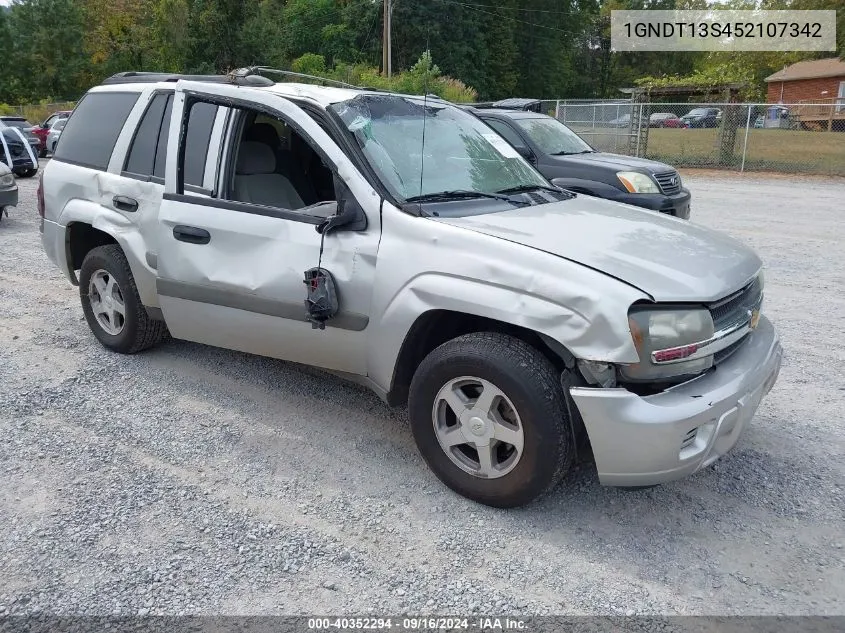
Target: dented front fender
x=426 y=265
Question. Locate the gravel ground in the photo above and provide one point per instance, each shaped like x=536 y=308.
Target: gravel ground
x=196 y=480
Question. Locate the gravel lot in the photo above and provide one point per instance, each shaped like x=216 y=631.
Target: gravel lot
x=195 y=480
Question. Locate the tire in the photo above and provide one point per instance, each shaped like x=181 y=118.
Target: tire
x=136 y=331
x=28 y=173
x=530 y=387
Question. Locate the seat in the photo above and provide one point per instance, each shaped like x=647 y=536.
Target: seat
x=286 y=164
x=256 y=180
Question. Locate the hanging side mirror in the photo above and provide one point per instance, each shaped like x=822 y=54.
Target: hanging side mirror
x=349 y=214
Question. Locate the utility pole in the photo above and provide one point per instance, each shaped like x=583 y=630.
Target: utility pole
x=386 y=52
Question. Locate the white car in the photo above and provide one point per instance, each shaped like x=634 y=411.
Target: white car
x=55 y=132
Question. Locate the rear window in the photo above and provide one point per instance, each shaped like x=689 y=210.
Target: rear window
x=21 y=124
x=143 y=152
x=90 y=134
x=200 y=124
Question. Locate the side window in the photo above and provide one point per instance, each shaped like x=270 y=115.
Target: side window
x=200 y=124
x=506 y=132
x=90 y=134
x=146 y=144
x=163 y=135
x=273 y=165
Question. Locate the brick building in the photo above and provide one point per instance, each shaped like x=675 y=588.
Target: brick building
x=817 y=80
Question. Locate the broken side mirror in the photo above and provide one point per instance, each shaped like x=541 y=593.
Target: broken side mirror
x=349 y=215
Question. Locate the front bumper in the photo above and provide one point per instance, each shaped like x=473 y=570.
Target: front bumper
x=677 y=205
x=637 y=440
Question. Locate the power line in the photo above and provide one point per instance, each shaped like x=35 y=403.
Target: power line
x=507 y=17
x=369 y=32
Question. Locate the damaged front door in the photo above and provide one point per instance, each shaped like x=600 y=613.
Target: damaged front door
x=231 y=268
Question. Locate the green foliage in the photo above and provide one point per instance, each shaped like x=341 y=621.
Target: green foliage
x=424 y=76
x=310 y=64
x=57 y=49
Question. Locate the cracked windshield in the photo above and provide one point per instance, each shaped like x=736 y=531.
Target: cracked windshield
x=460 y=153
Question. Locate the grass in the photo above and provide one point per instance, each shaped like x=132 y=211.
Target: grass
x=768 y=150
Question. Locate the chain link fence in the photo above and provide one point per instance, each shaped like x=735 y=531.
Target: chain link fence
x=36 y=113
x=804 y=137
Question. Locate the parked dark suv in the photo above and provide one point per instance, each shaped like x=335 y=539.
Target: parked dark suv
x=570 y=162
x=18 y=147
x=702 y=117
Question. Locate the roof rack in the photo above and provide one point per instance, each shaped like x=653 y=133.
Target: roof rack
x=250 y=76
x=132 y=77
x=256 y=70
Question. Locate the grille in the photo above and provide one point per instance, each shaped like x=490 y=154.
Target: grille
x=724 y=354
x=689 y=438
x=669 y=181
x=734 y=308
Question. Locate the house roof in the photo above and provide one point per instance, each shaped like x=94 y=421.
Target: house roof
x=811 y=69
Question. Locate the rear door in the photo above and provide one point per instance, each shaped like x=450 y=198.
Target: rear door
x=231 y=266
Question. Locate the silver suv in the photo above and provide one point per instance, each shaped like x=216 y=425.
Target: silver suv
x=399 y=242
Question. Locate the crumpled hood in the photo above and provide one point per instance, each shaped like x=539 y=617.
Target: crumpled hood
x=668 y=258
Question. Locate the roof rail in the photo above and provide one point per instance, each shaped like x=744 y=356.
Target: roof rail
x=256 y=70
x=132 y=77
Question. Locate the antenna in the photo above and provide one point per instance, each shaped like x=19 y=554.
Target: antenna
x=425 y=113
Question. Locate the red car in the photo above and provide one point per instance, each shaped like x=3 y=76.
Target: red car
x=665 y=119
x=41 y=131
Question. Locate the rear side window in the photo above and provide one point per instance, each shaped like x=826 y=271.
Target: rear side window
x=200 y=124
x=146 y=145
x=91 y=132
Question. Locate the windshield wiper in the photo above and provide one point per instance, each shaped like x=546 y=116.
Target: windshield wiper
x=461 y=194
x=564 y=153
x=524 y=188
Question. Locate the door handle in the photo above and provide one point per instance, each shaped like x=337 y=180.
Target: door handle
x=130 y=205
x=191 y=234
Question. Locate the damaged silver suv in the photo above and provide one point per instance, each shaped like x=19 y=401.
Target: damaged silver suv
x=400 y=242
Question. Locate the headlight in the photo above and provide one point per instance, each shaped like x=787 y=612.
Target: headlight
x=635 y=182
x=7 y=180
x=665 y=339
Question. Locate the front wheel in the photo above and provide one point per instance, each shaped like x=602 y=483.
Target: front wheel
x=489 y=417
x=28 y=173
x=112 y=305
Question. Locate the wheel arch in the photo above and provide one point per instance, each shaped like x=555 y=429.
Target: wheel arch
x=437 y=326
x=88 y=225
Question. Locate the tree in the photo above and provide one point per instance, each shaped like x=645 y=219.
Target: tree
x=47 y=38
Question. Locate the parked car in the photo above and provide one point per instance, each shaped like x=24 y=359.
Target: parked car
x=8 y=190
x=26 y=128
x=665 y=119
x=702 y=117
x=621 y=121
x=43 y=130
x=17 y=151
x=53 y=136
x=570 y=162
x=517 y=320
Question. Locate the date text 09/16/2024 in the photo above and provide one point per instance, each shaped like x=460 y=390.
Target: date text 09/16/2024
x=417 y=624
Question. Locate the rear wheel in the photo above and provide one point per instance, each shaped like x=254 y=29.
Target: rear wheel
x=28 y=173
x=112 y=305
x=488 y=415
